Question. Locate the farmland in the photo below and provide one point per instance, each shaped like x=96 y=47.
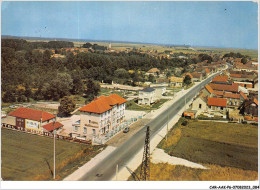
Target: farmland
x=30 y=157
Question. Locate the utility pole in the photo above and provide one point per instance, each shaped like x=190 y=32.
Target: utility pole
x=54 y=148
x=145 y=167
x=116 y=172
x=167 y=125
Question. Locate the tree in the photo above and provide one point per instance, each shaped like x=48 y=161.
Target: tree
x=9 y=96
x=151 y=78
x=93 y=88
x=67 y=105
x=78 y=86
x=244 y=60
x=187 y=80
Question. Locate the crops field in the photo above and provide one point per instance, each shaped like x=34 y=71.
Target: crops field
x=30 y=157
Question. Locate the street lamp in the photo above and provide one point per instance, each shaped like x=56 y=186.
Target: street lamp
x=54 y=147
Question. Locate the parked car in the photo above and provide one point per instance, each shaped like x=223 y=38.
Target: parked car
x=126 y=129
x=13 y=106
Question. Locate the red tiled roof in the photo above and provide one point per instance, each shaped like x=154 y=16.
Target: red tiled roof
x=207 y=70
x=232 y=95
x=255 y=101
x=220 y=102
x=209 y=89
x=103 y=104
x=243 y=95
x=236 y=75
x=189 y=114
x=224 y=87
x=189 y=75
x=196 y=75
x=49 y=126
x=220 y=78
x=251 y=118
x=219 y=93
x=28 y=113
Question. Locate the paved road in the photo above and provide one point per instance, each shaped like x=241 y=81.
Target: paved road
x=106 y=170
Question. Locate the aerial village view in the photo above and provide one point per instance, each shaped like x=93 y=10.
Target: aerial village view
x=129 y=91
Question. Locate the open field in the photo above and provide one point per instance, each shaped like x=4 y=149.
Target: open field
x=228 y=150
x=223 y=144
x=30 y=157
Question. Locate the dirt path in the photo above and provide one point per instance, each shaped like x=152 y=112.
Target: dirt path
x=159 y=156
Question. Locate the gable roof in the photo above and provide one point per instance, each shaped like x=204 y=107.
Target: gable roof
x=220 y=102
x=220 y=78
x=32 y=114
x=224 y=87
x=207 y=70
x=153 y=70
x=232 y=95
x=49 y=126
x=148 y=89
x=219 y=93
x=209 y=89
x=243 y=95
x=103 y=104
x=196 y=75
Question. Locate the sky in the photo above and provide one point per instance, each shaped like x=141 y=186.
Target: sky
x=215 y=24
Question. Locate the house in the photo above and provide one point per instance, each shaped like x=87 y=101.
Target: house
x=196 y=77
x=208 y=91
x=217 y=104
x=233 y=100
x=153 y=71
x=159 y=92
x=200 y=103
x=146 y=96
x=220 y=79
x=225 y=87
x=100 y=116
x=176 y=81
x=244 y=84
x=31 y=120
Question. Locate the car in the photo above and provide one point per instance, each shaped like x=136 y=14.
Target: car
x=13 y=106
x=126 y=129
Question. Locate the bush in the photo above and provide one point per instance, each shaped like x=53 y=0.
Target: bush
x=184 y=123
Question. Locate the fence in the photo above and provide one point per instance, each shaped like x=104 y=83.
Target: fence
x=46 y=134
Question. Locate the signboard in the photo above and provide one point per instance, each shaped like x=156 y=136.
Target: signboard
x=32 y=124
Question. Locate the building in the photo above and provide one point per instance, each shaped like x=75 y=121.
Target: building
x=32 y=120
x=225 y=87
x=147 y=96
x=153 y=71
x=100 y=116
x=176 y=81
x=217 y=104
x=251 y=107
x=196 y=77
x=200 y=103
x=220 y=79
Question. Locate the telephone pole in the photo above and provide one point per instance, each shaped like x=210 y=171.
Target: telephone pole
x=54 y=148
x=145 y=167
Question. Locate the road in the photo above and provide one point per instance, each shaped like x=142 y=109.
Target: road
x=106 y=169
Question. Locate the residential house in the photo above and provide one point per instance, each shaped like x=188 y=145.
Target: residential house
x=200 y=103
x=153 y=71
x=251 y=107
x=176 y=81
x=218 y=104
x=101 y=116
x=220 y=79
x=146 y=96
x=196 y=77
x=208 y=91
x=31 y=120
x=225 y=87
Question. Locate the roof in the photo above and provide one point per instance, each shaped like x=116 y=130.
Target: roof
x=243 y=95
x=251 y=118
x=49 y=126
x=219 y=93
x=189 y=75
x=176 y=79
x=196 y=75
x=207 y=70
x=148 y=89
x=220 y=78
x=32 y=114
x=220 y=102
x=188 y=113
x=153 y=70
x=232 y=95
x=209 y=89
x=103 y=104
x=236 y=75
x=224 y=87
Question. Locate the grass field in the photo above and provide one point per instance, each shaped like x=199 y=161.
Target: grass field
x=222 y=144
x=229 y=151
x=30 y=157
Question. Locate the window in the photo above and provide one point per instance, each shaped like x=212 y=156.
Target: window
x=93 y=131
x=75 y=128
x=85 y=130
x=199 y=106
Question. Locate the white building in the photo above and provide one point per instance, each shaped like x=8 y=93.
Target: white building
x=101 y=116
x=147 y=96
